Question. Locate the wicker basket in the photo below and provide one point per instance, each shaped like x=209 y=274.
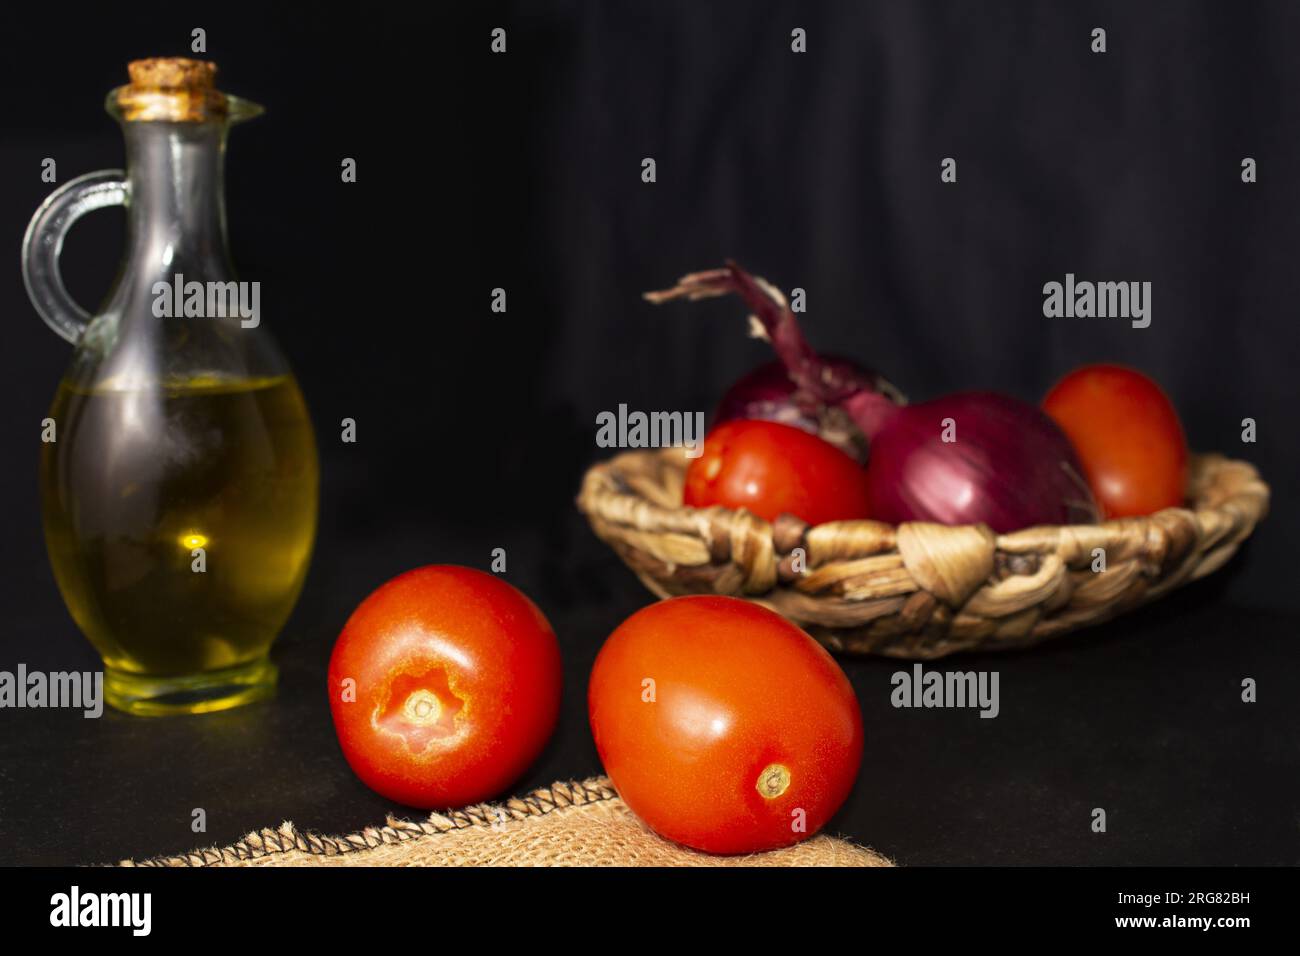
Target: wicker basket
x=917 y=590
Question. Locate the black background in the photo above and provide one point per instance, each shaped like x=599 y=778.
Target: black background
x=818 y=170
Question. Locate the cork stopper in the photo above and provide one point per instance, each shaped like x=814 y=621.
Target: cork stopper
x=171 y=89
x=172 y=73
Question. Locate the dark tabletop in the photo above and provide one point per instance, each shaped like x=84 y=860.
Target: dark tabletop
x=1142 y=717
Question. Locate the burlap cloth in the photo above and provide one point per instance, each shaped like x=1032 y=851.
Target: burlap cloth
x=566 y=824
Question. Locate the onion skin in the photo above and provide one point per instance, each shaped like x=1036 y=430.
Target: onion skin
x=1009 y=467
x=767 y=393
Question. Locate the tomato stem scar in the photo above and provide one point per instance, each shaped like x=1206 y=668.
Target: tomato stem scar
x=422 y=708
x=773 y=781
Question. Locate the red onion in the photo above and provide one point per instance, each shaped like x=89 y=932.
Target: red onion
x=769 y=392
x=1007 y=465
x=976 y=457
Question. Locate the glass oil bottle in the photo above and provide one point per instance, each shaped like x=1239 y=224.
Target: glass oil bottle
x=180 y=482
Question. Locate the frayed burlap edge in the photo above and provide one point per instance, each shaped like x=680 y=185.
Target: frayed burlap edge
x=574 y=823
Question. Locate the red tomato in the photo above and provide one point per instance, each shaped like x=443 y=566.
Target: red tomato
x=723 y=726
x=1128 y=437
x=770 y=468
x=457 y=687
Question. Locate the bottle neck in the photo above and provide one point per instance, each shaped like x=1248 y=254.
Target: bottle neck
x=177 y=220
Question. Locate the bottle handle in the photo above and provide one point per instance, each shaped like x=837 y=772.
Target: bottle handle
x=43 y=244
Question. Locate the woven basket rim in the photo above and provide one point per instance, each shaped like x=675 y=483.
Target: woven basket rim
x=917 y=589
x=1203 y=460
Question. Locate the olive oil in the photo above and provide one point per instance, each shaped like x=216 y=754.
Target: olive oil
x=179 y=520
